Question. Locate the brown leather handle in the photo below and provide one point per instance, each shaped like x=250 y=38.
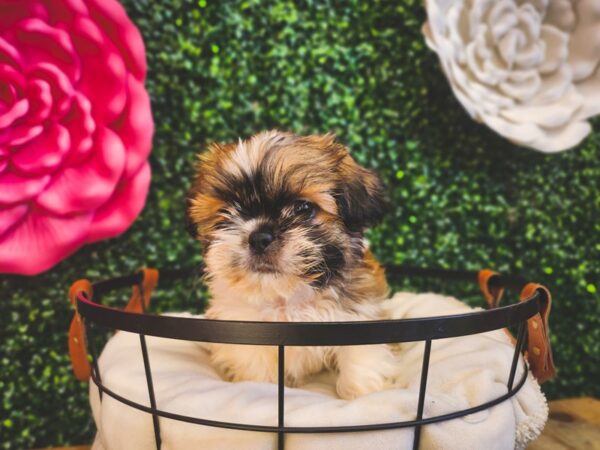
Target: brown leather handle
x=77 y=339
x=490 y=286
x=539 y=350
x=148 y=285
x=77 y=345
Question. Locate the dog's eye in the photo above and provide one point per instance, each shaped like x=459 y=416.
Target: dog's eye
x=305 y=208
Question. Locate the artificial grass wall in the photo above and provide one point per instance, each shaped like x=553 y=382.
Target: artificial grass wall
x=462 y=197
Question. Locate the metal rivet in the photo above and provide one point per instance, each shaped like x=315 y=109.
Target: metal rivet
x=76 y=340
x=536 y=351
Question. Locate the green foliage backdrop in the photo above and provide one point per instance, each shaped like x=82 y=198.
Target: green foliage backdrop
x=461 y=196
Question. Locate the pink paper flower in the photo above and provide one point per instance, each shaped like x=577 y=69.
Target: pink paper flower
x=75 y=128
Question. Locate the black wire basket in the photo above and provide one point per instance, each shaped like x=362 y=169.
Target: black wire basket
x=87 y=300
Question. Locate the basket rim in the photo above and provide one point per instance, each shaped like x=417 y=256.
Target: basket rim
x=282 y=334
x=301 y=333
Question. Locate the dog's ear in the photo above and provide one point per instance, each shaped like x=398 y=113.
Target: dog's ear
x=202 y=159
x=360 y=196
x=201 y=204
x=190 y=224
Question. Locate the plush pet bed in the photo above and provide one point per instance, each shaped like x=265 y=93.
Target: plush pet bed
x=463 y=372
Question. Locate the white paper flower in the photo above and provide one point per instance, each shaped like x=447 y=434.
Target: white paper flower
x=527 y=68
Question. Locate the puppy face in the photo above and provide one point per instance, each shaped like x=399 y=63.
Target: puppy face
x=282 y=207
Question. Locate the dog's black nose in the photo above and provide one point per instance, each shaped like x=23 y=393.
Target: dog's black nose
x=260 y=240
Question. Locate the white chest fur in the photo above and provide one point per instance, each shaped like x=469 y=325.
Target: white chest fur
x=362 y=368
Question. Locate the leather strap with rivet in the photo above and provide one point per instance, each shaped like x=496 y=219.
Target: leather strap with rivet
x=539 y=350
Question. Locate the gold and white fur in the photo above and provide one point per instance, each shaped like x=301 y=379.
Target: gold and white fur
x=362 y=369
x=318 y=268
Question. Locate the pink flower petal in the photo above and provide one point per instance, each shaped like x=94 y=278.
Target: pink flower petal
x=121 y=210
x=104 y=76
x=20 y=134
x=12 y=78
x=8 y=96
x=44 y=154
x=75 y=128
x=15 y=188
x=40 y=99
x=136 y=127
x=60 y=86
x=89 y=185
x=81 y=126
x=9 y=217
x=111 y=16
x=14 y=11
x=38 y=42
x=40 y=241
x=65 y=10
x=9 y=54
x=17 y=110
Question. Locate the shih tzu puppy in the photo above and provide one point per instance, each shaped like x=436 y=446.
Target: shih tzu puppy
x=281 y=219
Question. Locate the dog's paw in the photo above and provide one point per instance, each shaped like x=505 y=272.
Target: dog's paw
x=363 y=369
x=351 y=386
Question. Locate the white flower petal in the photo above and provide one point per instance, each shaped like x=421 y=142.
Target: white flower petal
x=539 y=5
x=467 y=102
x=558 y=140
x=557 y=48
x=561 y=15
x=438 y=14
x=474 y=91
x=492 y=95
x=472 y=94
x=508 y=45
x=463 y=84
x=544 y=139
x=553 y=86
x=522 y=85
x=474 y=65
x=530 y=55
x=590 y=91
x=457 y=33
x=502 y=18
x=584 y=46
x=530 y=20
x=521 y=133
x=500 y=74
x=480 y=9
x=554 y=116
x=529 y=69
x=482 y=49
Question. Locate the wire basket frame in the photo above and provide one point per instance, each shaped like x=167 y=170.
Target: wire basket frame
x=283 y=334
